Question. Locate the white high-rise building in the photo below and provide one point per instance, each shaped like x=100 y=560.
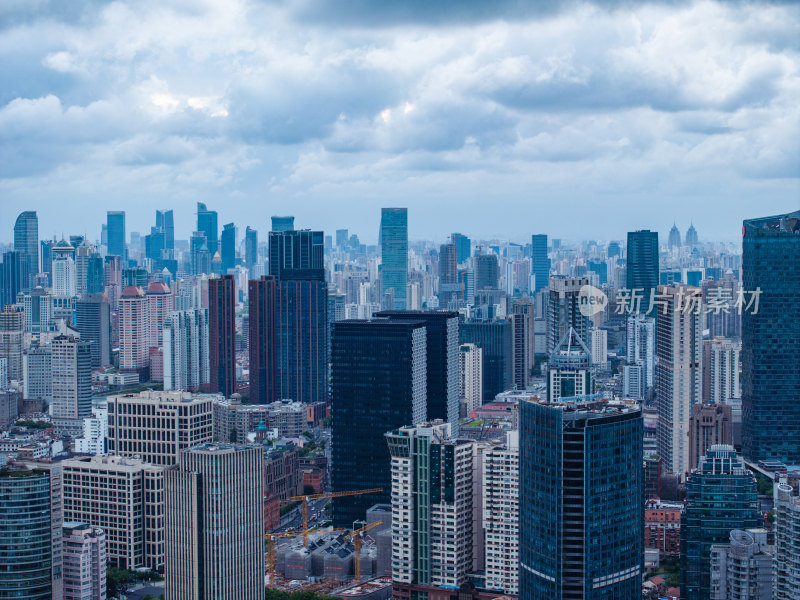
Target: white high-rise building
x=599 y=348
x=642 y=346
x=471 y=380
x=679 y=374
x=632 y=381
x=185 y=339
x=743 y=568
x=71 y=376
x=63 y=268
x=413 y=296
x=84 y=561
x=501 y=515
x=721 y=370
x=134 y=330
x=95 y=430
x=787 y=550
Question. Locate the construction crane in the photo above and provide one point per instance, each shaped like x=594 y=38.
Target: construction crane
x=305 y=499
x=356 y=537
x=271 y=537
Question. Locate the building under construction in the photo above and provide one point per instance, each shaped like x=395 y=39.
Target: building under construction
x=332 y=555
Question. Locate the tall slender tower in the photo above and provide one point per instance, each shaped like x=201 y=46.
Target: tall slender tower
x=540 y=261
x=71 y=371
x=115 y=223
x=262 y=300
x=207 y=224
x=642 y=273
x=222 y=334
x=394 y=257
x=26 y=241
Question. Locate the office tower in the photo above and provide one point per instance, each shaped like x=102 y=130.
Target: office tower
x=3 y=373
x=11 y=337
x=222 y=334
x=262 y=300
x=442 y=362
x=37 y=310
x=27 y=560
x=501 y=515
x=93 y=320
x=642 y=267
x=691 y=236
x=250 y=248
x=471 y=380
x=342 y=238
x=674 y=237
x=134 y=331
x=599 y=268
x=641 y=343
x=494 y=338
x=84 y=561
x=721 y=496
x=581 y=513
x=186 y=349
x=282 y=223
x=71 y=368
x=228 y=247
x=679 y=374
x=13 y=277
x=88 y=270
x=599 y=338
x=787 y=532
x=155 y=244
x=378 y=383
x=160 y=303
x=633 y=385
x=26 y=242
x=198 y=249
x=207 y=225
x=563 y=309
x=742 y=568
x=721 y=370
x=65 y=284
x=215 y=524
x=771 y=339
x=540 y=262
x=301 y=316
x=115 y=226
x=165 y=222
x=486 y=272
x=709 y=425
x=613 y=250
x=394 y=257
x=180 y=418
x=449 y=288
x=37 y=373
x=45 y=246
x=125 y=498
x=570 y=373
x=523 y=322
x=462 y=244
x=432 y=504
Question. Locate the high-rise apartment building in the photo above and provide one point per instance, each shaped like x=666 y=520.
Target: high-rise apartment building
x=156 y=426
x=580 y=501
x=540 y=262
x=38 y=373
x=742 y=568
x=160 y=303
x=215 y=524
x=599 y=341
x=394 y=257
x=115 y=226
x=641 y=346
x=11 y=337
x=787 y=532
x=501 y=515
x=65 y=278
x=71 y=374
x=721 y=370
x=721 y=496
x=222 y=334
x=494 y=338
x=432 y=496
x=523 y=341
x=642 y=267
x=134 y=331
x=186 y=348
x=125 y=498
x=709 y=425
x=771 y=339
x=93 y=320
x=84 y=562
x=442 y=362
x=378 y=383
x=471 y=377
x=679 y=374
x=563 y=310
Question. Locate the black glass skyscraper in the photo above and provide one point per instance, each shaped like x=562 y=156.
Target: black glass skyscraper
x=282 y=223
x=93 y=320
x=642 y=273
x=378 y=383
x=497 y=364
x=486 y=272
x=115 y=223
x=394 y=257
x=540 y=261
x=207 y=224
x=581 y=513
x=442 y=361
x=13 y=276
x=771 y=339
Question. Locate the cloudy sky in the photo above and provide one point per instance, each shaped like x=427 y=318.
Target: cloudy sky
x=492 y=118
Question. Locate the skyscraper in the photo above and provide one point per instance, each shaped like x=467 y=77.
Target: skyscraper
x=641 y=342
x=186 y=349
x=494 y=338
x=463 y=247
x=642 y=271
x=743 y=567
x=486 y=272
x=134 y=332
x=522 y=333
x=71 y=368
x=207 y=225
x=471 y=380
x=787 y=532
x=65 y=279
x=394 y=257
x=222 y=334
x=26 y=242
x=250 y=248
x=674 y=237
x=263 y=302
x=721 y=370
x=771 y=339
x=570 y=373
x=84 y=561
x=164 y=221
x=432 y=505
x=282 y=223
x=228 y=243
x=115 y=223
x=709 y=425
x=215 y=524
x=721 y=496
x=678 y=374
x=11 y=338
x=581 y=513
x=540 y=266
x=442 y=362
x=563 y=309
x=449 y=289
x=13 y=276
x=378 y=383
x=691 y=236
x=93 y=319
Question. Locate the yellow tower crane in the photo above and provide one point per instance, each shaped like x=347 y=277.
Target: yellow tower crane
x=305 y=499
x=271 y=537
x=356 y=537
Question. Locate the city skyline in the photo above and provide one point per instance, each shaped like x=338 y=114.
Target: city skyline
x=325 y=110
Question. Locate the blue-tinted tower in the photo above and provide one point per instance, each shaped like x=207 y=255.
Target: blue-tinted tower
x=207 y=224
x=540 y=261
x=228 y=243
x=115 y=226
x=394 y=257
x=642 y=271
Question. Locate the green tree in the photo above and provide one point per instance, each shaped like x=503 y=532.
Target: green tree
x=118 y=581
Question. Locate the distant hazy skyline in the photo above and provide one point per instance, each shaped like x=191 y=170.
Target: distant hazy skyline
x=576 y=119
